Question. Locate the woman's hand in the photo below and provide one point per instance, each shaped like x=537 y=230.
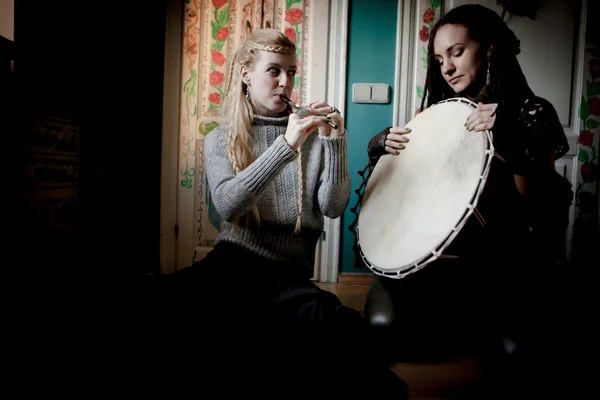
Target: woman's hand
x=322 y=108
x=395 y=140
x=299 y=127
x=482 y=118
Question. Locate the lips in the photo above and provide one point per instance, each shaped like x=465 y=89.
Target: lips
x=454 y=80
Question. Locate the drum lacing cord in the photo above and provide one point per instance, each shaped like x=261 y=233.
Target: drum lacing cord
x=364 y=174
x=479 y=217
x=475 y=211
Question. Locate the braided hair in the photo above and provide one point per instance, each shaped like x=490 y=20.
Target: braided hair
x=508 y=86
x=239 y=139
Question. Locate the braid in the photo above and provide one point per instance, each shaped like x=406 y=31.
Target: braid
x=274 y=49
x=231 y=153
x=300 y=194
x=231 y=73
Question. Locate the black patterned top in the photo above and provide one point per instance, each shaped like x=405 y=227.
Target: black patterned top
x=537 y=132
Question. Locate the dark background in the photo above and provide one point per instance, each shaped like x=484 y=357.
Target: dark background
x=100 y=65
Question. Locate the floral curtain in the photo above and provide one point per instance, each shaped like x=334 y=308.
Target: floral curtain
x=586 y=225
x=429 y=12
x=213 y=31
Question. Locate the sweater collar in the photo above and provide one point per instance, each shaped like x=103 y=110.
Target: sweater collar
x=260 y=120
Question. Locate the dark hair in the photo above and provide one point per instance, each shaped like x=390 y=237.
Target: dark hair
x=508 y=85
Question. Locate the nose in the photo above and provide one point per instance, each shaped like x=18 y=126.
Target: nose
x=448 y=68
x=283 y=79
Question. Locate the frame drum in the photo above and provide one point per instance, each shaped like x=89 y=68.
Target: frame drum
x=416 y=203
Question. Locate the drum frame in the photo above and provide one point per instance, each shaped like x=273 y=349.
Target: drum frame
x=403 y=271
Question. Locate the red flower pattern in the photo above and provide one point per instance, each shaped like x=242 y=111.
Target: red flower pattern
x=586 y=138
x=215 y=98
x=217 y=57
x=429 y=15
x=291 y=34
x=219 y=3
x=222 y=33
x=424 y=33
x=216 y=78
x=589 y=172
x=294 y=16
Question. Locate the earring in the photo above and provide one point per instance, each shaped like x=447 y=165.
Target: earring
x=247 y=94
x=487 y=78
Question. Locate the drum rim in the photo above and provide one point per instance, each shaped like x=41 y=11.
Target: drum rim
x=403 y=271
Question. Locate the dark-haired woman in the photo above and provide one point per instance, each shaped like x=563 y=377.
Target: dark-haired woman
x=493 y=286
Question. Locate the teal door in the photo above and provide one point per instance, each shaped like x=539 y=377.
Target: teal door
x=371 y=59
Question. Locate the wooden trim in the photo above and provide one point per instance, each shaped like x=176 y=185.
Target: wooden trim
x=405 y=54
x=170 y=137
x=334 y=16
x=572 y=131
x=330 y=243
x=578 y=77
x=356 y=278
x=316 y=28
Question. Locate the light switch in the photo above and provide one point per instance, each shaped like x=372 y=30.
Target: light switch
x=380 y=93
x=370 y=93
x=361 y=93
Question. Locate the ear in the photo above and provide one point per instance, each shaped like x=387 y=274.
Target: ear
x=245 y=74
x=490 y=50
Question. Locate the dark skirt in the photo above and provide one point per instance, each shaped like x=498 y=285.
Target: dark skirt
x=236 y=308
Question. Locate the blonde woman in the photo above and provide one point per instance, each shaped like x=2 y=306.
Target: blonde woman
x=273 y=175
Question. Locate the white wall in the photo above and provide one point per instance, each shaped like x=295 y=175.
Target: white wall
x=547 y=52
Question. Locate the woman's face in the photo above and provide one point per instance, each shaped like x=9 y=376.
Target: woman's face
x=273 y=74
x=459 y=57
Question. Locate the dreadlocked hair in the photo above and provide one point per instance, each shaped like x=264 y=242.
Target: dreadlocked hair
x=508 y=86
x=240 y=146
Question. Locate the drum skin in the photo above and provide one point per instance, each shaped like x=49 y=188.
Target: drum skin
x=415 y=203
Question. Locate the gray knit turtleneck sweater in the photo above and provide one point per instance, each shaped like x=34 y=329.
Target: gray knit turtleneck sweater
x=271 y=182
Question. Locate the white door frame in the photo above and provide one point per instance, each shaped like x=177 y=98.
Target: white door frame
x=405 y=78
x=334 y=28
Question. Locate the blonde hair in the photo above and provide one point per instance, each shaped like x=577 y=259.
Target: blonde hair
x=239 y=140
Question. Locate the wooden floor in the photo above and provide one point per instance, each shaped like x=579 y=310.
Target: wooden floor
x=461 y=379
